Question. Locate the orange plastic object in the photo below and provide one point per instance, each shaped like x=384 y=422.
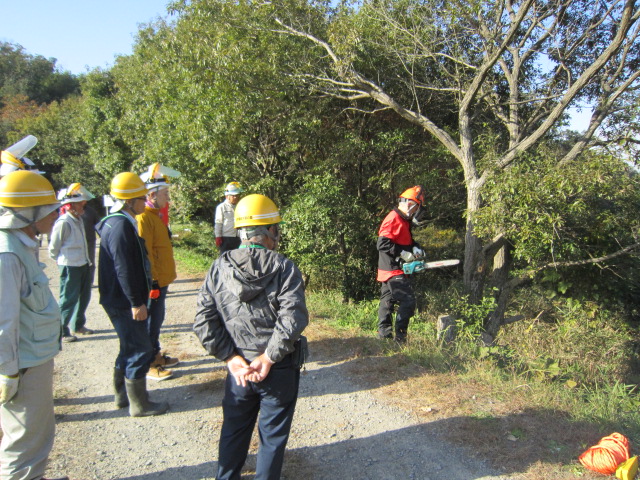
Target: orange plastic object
x=605 y=457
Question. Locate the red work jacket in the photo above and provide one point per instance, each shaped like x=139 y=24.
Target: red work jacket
x=394 y=236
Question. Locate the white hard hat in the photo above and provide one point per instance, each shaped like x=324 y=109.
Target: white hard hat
x=157 y=176
x=233 y=188
x=74 y=193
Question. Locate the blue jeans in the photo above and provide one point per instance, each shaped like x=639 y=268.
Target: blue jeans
x=156 y=319
x=75 y=293
x=136 y=351
x=274 y=399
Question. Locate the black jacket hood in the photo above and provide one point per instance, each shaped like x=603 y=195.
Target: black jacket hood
x=244 y=269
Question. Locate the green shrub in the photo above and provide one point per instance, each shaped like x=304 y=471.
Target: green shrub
x=194 y=246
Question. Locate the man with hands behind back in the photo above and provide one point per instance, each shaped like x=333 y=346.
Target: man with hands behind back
x=251 y=311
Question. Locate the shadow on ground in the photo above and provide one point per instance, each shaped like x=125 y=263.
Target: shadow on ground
x=408 y=453
x=404 y=453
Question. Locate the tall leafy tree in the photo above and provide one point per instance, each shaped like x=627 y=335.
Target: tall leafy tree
x=27 y=83
x=33 y=75
x=212 y=94
x=507 y=71
x=62 y=151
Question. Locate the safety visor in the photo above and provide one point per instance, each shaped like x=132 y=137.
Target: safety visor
x=158 y=176
x=74 y=193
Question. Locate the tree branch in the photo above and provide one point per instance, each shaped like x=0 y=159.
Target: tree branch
x=530 y=274
x=587 y=75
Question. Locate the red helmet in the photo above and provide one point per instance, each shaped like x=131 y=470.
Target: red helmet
x=415 y=194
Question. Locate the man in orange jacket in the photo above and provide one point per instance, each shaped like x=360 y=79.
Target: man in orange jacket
x=163 y=266
x=396 y=245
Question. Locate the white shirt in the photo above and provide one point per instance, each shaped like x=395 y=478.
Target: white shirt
x=224 y=221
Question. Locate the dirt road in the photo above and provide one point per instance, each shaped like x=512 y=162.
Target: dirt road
x=340 y=431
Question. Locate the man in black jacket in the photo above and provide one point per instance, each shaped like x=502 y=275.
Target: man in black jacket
x=251 y=312
x=124 y=280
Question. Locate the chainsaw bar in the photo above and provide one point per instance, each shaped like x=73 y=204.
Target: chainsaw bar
x=441 y=263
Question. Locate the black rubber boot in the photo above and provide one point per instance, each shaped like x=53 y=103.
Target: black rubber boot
x=121 y=400
x=139 y=403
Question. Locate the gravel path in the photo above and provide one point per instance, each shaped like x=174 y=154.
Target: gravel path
x=340 y=431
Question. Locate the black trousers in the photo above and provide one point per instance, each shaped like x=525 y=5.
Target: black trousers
x=274 y=400
x=397 y=291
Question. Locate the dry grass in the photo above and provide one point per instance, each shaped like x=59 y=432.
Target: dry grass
x=508 y=429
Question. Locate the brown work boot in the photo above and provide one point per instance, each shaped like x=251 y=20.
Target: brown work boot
x=164 y=360
x=159 y=373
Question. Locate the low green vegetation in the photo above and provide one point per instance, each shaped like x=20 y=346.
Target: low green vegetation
x=194 y=246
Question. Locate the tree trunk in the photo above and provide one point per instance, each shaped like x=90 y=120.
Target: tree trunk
x=346 y=287
x=474 y=274
x=500 y=280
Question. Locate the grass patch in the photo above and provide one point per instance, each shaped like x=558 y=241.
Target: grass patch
x=548 y=390
x=194 y=247
x=191 y=262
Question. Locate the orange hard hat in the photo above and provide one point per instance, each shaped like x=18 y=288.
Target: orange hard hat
x=414 y=193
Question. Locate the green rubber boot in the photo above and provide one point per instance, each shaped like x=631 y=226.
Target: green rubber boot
x=139 y=403
x=121 y=399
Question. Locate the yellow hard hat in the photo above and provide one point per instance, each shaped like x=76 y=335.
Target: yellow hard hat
x=127 y=185
x=23 y=188
x=157 y=176
x=254 y=210
x=76 y=192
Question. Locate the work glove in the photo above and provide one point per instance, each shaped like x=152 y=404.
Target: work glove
x=418 y=252
x=419 y=223
x=8 y=387
x=218 y=241
x=407 y=256
x=154 y=293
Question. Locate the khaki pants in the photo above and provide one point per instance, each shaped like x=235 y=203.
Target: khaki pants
x=28 y=426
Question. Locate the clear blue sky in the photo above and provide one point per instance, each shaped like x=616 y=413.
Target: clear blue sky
x=80 y=34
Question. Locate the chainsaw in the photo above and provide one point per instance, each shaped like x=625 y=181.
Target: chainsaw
x=420 y=265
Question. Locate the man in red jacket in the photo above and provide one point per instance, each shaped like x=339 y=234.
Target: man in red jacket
x=396 y=246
